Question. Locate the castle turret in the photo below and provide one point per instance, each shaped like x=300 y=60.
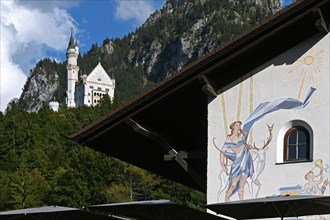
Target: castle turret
x=72 y=54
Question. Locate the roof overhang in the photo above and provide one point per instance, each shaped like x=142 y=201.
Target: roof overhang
x=164 y=130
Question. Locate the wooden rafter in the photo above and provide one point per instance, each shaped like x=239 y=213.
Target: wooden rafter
x=167 y=147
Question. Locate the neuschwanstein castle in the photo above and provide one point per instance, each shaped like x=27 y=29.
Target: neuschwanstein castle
x=90 y=88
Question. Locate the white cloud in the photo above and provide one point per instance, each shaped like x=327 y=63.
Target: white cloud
x=28 y=28
x=47 y=5
x=138 y=10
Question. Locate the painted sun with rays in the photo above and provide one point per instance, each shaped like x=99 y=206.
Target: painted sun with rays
x=308 y=69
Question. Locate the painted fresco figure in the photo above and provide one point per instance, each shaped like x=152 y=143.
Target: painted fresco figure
x=236 y=149
x=313 y=181
x=312 y=185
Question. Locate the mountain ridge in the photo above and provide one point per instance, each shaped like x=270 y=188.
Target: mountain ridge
x=171 y=38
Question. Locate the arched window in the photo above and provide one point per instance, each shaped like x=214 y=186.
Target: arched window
x=297 y=145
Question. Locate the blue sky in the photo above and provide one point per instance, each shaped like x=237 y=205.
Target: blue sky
x=114 y=18
x=34 y=29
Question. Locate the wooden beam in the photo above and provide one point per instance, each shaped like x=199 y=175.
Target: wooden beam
x=320 y=23
x=208 y=88
x=186 y=155
x=171 y=151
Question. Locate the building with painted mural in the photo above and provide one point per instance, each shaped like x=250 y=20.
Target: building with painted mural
x=249 y=120
x=268 y=131
x=89 y=89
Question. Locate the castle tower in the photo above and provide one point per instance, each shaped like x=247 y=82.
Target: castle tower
x=72 y=54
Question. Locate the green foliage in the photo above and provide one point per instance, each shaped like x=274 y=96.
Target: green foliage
x=39 y=166
x=27 y=188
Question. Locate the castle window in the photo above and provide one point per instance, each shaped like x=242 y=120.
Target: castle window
x=107 y=90
x=99 y=88
x=297 y=144
x=98 y=79
x=92 y=87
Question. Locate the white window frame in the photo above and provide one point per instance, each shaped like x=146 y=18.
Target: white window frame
x=280 y=140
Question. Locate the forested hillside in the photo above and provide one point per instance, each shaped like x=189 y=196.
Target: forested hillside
x=39 y=166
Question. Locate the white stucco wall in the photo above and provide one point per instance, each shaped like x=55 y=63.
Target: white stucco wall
x=288 y=75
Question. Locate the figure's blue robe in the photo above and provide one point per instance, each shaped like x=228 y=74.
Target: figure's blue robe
x=243 y=163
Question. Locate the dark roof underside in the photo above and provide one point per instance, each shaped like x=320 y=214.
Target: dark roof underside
x=174 y=113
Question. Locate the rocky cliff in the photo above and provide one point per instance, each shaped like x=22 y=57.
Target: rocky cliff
x=172 y=37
